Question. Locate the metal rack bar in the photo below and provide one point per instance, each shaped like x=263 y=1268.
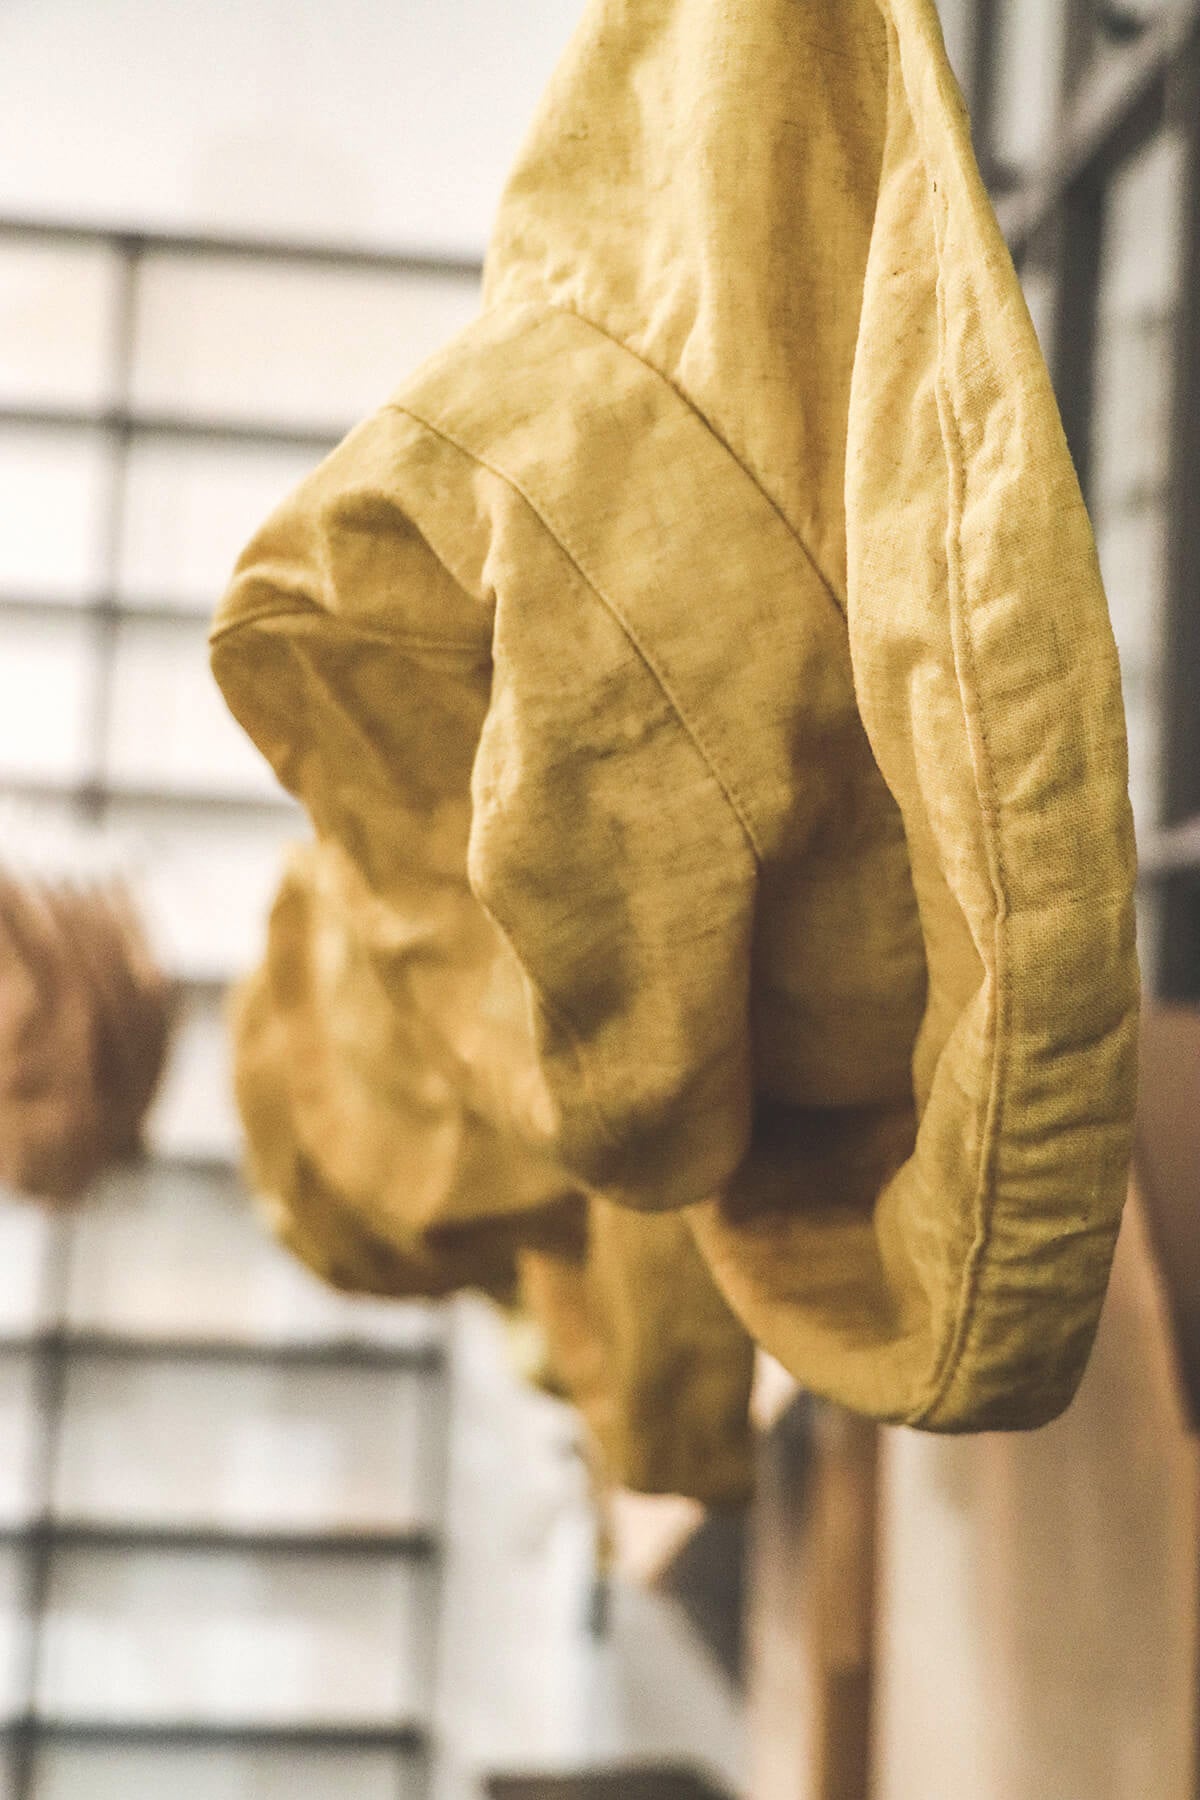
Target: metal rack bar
x=1172 y=852
x=1076 y=301
x=410 y=1737
x=60 y=1347
x=49 y=1382
x=129 y=421
x=151 y=799
x=336 y=1354
x=101 y=622
x=147 y=241
x=1179 y=953
x=415 y=1543
x=981 y=95
x=79 y=606
x=1119 y=105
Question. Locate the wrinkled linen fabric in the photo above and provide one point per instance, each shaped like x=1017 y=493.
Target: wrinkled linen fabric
x=377 y=1061
x=719 y=617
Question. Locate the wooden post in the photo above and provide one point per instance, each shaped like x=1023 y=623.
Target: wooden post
x=843 y=1612
x=811 y=1618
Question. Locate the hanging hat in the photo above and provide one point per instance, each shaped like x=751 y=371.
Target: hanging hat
x=722 y=608
x=85 y=1012
x=383 y=1159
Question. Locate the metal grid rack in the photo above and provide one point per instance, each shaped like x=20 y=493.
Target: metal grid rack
x=1130 y=87
x=122 y=421
x=62 y=1342
x=50 y=1529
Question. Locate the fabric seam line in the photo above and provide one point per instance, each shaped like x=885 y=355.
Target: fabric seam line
x=265 y=615
x=733 y=798
x=947 y=1361
x=571 y=312
x=553 y=1008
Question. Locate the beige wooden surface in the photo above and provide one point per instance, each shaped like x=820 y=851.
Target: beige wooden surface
x=1037 y=1596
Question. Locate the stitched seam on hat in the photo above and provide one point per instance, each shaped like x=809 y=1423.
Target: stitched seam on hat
x=712 y=763
x=724 y=785
x=369 y=629
x=948 y=1359
x=568 y=1027
x=573 y=312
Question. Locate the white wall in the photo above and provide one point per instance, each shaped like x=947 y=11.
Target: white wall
x=1038 y=1627
x=351 y=120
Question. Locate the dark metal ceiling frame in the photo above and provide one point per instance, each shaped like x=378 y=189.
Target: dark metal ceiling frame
x=1116 y=105
x=1179 y=954
x=1117 y=97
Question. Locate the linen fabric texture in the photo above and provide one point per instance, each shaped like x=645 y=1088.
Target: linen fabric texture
x=368 y=1045
x=702 y=664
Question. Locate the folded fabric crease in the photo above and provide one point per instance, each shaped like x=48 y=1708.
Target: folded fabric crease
x=700 y=673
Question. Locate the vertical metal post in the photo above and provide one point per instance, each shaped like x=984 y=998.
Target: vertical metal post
x=981 y=94
x=1076 y=304
x=106 y=608
x=46 y=1401
x=1078 y=236
x=440 y=1385
x=1180 y=929
x=1079 y=32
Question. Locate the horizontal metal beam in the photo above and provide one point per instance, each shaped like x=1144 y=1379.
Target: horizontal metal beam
x=414 y=1542
x=97 y=602
x=656 y=1780
x=1172 y=850
x=94 y=796
x=139 y=241
x=1121 y=102
x=211 y=1165
x=351 y=1354
x=410 y=1736
x=120 y=420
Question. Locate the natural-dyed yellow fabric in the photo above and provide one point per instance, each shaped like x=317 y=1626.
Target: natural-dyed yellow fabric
x=388 y=1162
x=718 y=618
